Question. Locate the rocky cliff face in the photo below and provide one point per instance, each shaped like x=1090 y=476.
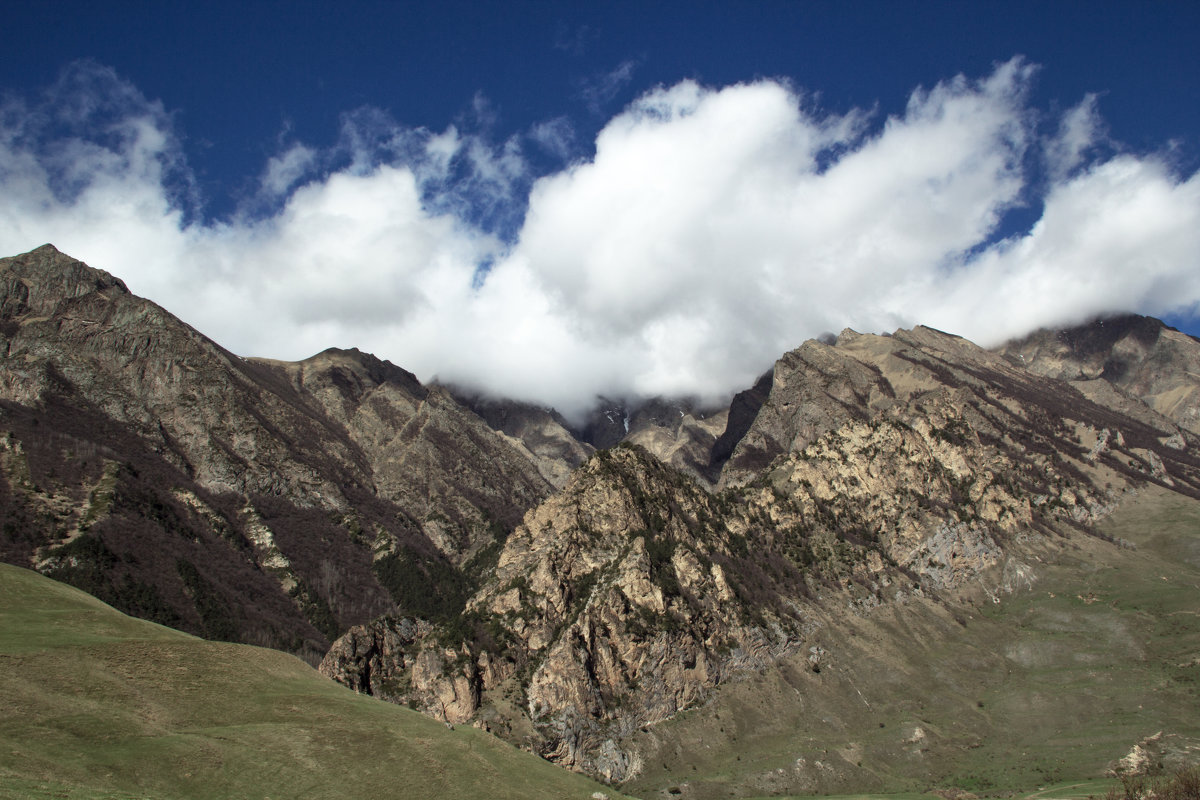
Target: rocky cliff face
x=542 y=432
x=875 y=470
x=677 y=432
x=67 y=325
x=609 y=608
x=435 y=459
x=243 y=499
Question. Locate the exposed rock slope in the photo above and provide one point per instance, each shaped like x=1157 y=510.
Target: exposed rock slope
x=677 y=432
x=874 y=471
x=250 y=500
x=609 y=608
x=432 y=457
x=543 y=433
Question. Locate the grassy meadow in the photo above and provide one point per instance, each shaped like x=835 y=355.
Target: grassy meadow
x=94 y=704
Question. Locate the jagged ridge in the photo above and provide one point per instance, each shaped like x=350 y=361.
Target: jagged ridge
x=876 y=471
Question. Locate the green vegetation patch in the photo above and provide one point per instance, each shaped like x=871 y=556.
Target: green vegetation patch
x=99 y=705
x=423 y=586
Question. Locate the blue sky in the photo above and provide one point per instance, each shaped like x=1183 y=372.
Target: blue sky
x=553 y=200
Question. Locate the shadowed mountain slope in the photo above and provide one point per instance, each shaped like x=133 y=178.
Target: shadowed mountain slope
x=241 y=499
x=1139 y=357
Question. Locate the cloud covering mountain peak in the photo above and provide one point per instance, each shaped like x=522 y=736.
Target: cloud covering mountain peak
x=712 y=229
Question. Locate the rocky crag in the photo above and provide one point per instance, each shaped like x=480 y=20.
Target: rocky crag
x=1125 y=361
x=243 y=499
x=875 y=472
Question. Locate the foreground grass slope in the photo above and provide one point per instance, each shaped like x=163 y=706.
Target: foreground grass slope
x=94 y=704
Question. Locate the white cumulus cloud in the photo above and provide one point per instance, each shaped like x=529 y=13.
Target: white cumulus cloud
x=712 y=230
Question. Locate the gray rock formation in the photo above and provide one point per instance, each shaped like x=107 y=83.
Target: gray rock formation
x=1138 y=357
x=874 y=470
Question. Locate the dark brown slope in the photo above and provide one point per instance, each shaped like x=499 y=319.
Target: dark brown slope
x=427 y=453
x=241 y=499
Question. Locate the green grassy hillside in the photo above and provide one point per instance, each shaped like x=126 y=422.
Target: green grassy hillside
x=94 y=704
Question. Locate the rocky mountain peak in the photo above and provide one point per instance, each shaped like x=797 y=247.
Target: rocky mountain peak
x=1129 y=356
x=175 y=477
x=371 y=369
x=38 y=282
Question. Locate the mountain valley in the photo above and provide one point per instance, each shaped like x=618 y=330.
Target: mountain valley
x=896 y=563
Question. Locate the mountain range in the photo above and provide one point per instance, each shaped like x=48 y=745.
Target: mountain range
x=895 y=562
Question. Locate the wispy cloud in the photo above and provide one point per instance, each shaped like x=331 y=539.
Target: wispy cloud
x=283 y=171
x=713 y=229
x=555 y=136
x=1080 y=131
x=598 y=91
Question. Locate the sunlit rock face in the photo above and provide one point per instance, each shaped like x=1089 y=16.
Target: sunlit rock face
x=860 y=475
x=1139 y=357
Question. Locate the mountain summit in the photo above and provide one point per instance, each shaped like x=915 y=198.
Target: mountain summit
x=245 y=499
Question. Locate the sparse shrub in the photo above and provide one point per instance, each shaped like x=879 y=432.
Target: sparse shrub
x=316 y=610
x=662 y=572
x=215 y=616
x=582 y=589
